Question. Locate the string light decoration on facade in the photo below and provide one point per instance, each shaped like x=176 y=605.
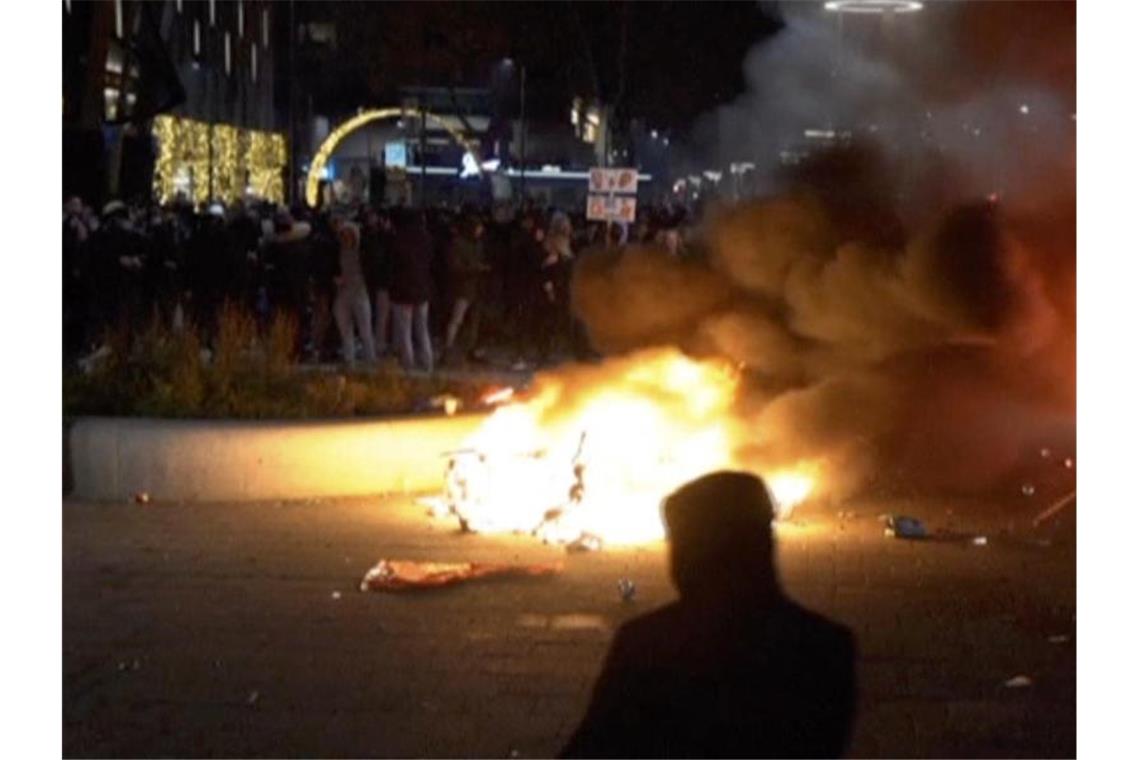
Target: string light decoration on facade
x=227 y=166
x=189 y=151
x=266 y=160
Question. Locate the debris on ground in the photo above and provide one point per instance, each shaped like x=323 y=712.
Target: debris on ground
x=448 y=403
x=587 y=542
x=627 y=589
x=253 y=697
x=1028 y=489
x=1058 y=639
x=399 y=575
x=1018 y=682
x=336 y=595
x=901 y=526
x=142 y=497
x=980 y=541
x=1055 y=507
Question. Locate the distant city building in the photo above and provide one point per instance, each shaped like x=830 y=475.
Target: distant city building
x=169 y=98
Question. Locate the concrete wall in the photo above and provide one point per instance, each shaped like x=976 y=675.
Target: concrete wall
x=225 y=460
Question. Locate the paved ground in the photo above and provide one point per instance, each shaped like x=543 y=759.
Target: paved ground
x=237 y=630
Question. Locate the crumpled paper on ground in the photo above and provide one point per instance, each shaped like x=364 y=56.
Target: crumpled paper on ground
x=401 y=575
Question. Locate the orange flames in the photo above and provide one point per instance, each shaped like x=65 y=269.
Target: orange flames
x=594 y=450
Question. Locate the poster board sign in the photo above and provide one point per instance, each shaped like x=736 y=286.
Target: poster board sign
x=611 y=208
x=613 y=180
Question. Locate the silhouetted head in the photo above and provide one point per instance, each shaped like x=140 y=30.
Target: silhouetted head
x=720 y=533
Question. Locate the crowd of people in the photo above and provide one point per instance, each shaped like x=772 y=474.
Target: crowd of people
x=425 y=286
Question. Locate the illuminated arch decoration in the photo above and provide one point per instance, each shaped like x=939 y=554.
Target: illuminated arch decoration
x=321 y=159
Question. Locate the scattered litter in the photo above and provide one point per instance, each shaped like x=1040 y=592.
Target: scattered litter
x=626 y=589
x=398 y=575
x=336 y=595
x=578 y=622
x=1069 y=463
x=980 y=541
x=436 y=505
x=122 y=666
x=253 y=697
x=1055 y=507
x=1018 y=682
x=135 y=664
x=497 y=396
x=587 y=542
x=448 y=403
x=142 y=497
x=514 y=753
x=901 y=526
x=1058 y=639
x=1028 y=490
x=1046 y=453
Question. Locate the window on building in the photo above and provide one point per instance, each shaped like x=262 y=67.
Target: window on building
x=265 y=28
x=241 y=19
x=197 y=38
x=120 y=82
x=110 y=103
x=253 y=63
x=228 y=60
x=213 y=12
x=119 y=19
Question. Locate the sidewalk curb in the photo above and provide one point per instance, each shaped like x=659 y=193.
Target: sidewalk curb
x=113 y=459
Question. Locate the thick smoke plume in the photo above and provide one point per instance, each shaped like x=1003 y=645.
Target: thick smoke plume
x=902 y=301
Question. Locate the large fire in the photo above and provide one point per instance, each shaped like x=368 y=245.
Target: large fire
x=593 y=450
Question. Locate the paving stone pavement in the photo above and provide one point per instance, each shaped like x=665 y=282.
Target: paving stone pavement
x=239 y=630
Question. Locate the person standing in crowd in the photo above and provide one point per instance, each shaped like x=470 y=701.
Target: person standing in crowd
x=466 y=267
x=410 y=290
x=76 y=234
x=554 y=275
x=116 y=263
x=520 y=272
x=352 y=303
x=375 y=248
x=287 y=262
x=323 y=266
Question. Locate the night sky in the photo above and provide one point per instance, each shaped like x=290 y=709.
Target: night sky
x=680 y=58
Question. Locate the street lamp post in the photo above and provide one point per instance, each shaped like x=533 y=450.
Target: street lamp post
x=522 y=130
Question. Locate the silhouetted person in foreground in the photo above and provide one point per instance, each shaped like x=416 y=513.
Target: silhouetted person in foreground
x=734 y=668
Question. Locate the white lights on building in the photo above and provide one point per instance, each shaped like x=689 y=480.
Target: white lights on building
x=265 y=28
x=253 y=63
x=470 y=167
x=213 y=12
x=197 y=37
x=241 y=19
x=228 y=54
x=873 y=7
x=119 y=18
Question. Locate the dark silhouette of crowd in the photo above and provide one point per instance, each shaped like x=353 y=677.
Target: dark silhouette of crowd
x=427 y=287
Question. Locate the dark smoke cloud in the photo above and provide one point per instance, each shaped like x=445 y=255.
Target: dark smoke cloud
x=897 y=320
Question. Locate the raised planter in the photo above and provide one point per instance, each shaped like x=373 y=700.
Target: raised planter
x=111 y=458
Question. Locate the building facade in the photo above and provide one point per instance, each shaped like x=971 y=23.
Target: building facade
x=170 y=98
